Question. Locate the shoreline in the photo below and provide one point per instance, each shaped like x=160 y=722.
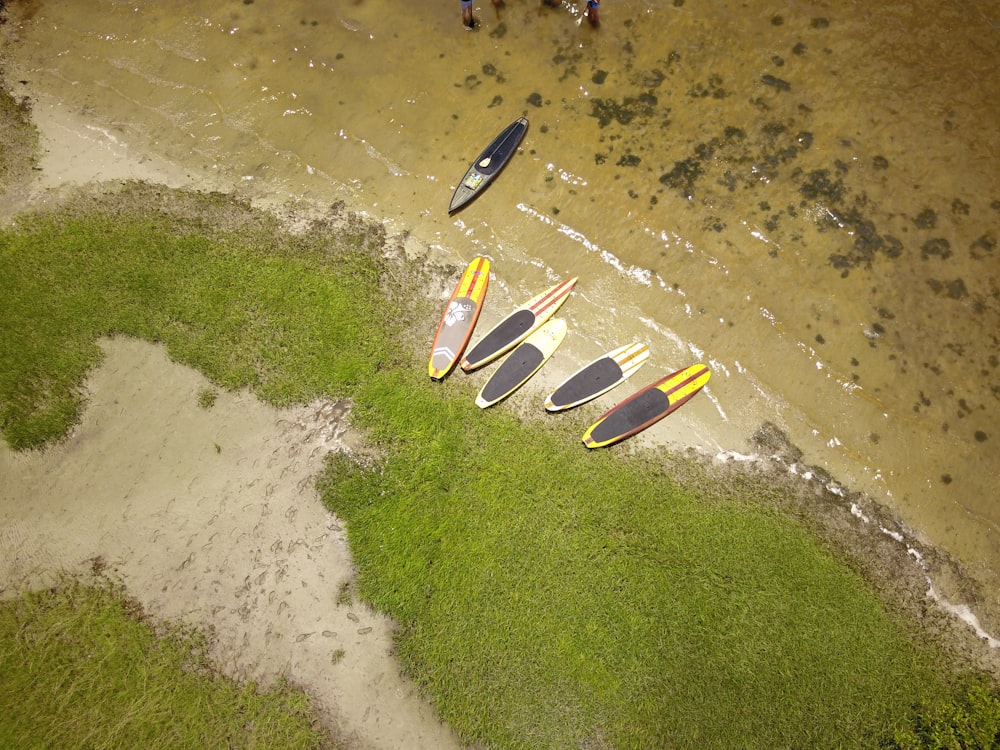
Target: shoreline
x=70 y=153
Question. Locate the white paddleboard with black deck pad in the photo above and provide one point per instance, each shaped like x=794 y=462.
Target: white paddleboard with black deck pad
x=523 y=362
x=598 y=377
x=517 y=326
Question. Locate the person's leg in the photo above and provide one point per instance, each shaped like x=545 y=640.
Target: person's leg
x=467 y=20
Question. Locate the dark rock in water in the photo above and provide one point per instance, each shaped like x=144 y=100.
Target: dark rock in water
x=892 y=246
x=880 y=162
x=778 y=83
x=711 y=89
x=683 y=176
x=608 y=110
x=653 y=79
x=956 y=289
x=629 y=160
x=953 y=289
x=938 y=246
x=535 y=99
x=819 y=185
x=733 y=133
x=985 y=244
x=600 y=76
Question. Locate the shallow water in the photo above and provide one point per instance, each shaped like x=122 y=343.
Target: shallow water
x=803 y=195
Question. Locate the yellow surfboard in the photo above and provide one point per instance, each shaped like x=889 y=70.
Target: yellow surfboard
x=459 y=318
x=647 y=407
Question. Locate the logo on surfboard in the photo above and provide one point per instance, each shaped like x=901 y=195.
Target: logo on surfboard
x=456 y=312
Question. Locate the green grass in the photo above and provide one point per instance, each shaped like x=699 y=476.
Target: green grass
x=548 y=596
x=551 y=596
x=248 y=306
x=80 y=669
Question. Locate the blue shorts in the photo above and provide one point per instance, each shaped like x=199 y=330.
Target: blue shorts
x=466 y=4
x=593 y=3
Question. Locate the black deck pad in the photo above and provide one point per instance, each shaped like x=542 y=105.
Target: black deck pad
x=592 y=379
x=632 y=415
x=512 y=372
x=509 y=330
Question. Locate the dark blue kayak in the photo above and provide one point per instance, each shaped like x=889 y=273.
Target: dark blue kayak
x=488 y=164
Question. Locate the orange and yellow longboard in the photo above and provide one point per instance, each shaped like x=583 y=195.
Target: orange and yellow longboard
x=459 y=318
x=647 y=407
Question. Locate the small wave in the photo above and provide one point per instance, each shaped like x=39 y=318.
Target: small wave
x=634 y=273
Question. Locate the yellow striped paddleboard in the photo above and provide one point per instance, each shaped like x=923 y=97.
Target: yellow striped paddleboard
x=459 y=319
x=647 y=407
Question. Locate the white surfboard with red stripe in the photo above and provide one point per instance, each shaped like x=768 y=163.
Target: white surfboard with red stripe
x=517 y=326
x=598 y=377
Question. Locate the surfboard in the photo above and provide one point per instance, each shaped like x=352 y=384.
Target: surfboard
x=523 y=362
x=598 y=377
x=647 y=407
x=517 y=326
x=459 y=318
x=488 y=164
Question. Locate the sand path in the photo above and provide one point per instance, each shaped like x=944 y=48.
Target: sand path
x=210 y=516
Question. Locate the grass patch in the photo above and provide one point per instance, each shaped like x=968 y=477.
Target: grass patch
x=248 y=305
x=548 y=596
x=79 y=668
